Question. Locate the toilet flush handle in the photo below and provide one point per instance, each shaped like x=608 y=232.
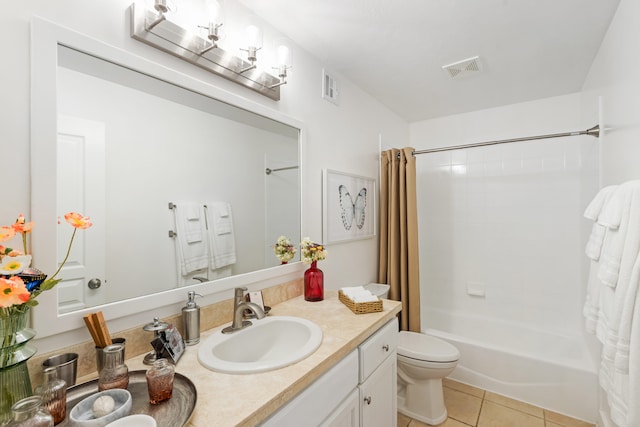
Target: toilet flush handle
x=385 y=347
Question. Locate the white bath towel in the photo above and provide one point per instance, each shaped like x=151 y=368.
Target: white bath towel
x=625 y=330
x=591 y=309
x=595 y=206
x=220 y=235
x=617 y=300
x=618 y=324
x=192 y=248
x=359 y=294
x=596 y=239
x=618 y=216
x=593 y=250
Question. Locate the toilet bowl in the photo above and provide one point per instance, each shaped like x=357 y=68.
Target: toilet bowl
x=423 y=361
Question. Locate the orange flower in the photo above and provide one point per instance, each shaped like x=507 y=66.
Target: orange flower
x=77 y=220
x=21 y=226
x=13 y=292
x=6 y=233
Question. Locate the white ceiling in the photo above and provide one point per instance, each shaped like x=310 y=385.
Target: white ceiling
x=394 y=49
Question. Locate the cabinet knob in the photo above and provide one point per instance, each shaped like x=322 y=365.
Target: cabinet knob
x=368 y=400
x=385 y=347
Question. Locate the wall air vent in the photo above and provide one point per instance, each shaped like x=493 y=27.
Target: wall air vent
x=329 y=87
x=463 y=68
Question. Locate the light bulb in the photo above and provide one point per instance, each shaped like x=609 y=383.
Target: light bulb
x=284 y=56
x=254 y=36
x=214 y=12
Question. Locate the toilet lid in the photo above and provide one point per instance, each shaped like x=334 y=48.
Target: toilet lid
x=425 y=347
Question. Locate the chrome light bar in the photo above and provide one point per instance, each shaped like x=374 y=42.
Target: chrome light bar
x=153 y=29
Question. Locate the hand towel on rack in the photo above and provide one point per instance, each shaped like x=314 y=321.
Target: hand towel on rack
x=220 y=235
x=191 y=240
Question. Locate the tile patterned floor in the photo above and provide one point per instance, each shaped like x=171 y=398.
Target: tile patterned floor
x=471 y=406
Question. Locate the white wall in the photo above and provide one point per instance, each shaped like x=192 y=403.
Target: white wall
x=343 y=137
x=506 y=218
x=614 y=79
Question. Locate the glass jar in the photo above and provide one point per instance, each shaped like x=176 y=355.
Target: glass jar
x=160 y=381
x=29 y=412
x=114 y=373
x=54 y=394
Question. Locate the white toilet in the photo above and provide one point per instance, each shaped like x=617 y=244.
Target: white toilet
x=423 y=361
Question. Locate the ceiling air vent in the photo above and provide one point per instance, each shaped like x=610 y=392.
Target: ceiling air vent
x=463 y=68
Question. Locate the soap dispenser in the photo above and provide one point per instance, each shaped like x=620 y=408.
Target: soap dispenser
x=191 y=320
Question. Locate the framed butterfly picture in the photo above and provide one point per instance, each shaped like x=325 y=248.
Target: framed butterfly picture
x=349 y=203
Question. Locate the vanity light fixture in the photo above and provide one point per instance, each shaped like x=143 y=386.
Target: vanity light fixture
x=254 y=44
x=284 y=63
x=215 y=22
x=155 y=28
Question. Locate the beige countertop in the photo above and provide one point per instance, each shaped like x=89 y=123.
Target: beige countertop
x=226 y=400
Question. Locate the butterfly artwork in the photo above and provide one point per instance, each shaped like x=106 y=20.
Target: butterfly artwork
x=352 y=211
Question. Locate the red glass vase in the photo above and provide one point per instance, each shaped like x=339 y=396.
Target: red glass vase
x=313 y=283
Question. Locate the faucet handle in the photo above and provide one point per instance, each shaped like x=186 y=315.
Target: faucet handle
x=240 y=291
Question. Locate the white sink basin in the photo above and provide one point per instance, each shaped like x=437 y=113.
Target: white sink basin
x=270 y=343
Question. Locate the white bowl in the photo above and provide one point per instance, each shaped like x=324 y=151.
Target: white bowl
x=137 y=420
x=82 y=414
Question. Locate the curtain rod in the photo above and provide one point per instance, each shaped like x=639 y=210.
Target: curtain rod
x=593 y=131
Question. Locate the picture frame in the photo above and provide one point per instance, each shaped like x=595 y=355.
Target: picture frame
x=349 y=207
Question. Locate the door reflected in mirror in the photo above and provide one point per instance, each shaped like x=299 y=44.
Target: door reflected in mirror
x=129 y=148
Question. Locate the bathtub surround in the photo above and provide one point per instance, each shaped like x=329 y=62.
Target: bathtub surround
x=501 y=247
x=398 y=258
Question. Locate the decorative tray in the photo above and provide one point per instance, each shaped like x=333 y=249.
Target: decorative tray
x=170 y=413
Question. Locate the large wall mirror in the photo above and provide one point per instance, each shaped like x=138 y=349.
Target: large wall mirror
x=184 y=189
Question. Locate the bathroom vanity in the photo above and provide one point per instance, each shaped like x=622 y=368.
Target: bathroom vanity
x=350 y=380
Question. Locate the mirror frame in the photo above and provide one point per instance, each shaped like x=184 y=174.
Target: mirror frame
x=45 y=38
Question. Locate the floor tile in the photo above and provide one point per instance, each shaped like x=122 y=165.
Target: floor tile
x=449 y=422
x=462 y=406
x=550 y=424
x=465 y=388
x=495 y=415
x=564 y=420
x=403 y=420
x=514 y=404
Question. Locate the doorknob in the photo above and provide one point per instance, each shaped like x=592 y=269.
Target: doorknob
x=94 y=283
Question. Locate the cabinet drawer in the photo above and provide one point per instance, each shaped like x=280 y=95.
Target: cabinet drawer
x=377 y=347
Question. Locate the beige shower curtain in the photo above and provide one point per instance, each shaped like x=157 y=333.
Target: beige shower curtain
x=398 y=258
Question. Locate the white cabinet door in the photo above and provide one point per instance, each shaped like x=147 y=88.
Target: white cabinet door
x=347 y=414
x=378 y=396
x=318 y=401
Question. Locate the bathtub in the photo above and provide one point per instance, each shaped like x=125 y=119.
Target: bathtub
x=554 y=372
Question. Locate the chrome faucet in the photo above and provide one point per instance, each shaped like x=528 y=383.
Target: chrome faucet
x=239 y=306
